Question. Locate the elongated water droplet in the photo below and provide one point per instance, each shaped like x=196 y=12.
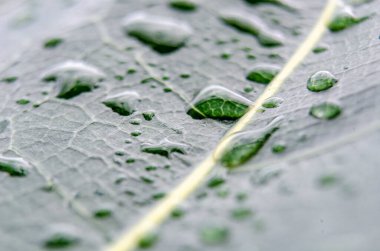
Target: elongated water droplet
x=245 y=145
x=17 y=167
x=9 y=79
x=74 y=78
x=184 y=5
x=215 y=182
x=123 y=104
x=164 y=148
x=273 y=102
x=321 y=81
x=325 y=111
x=53 y=42
x=148 y=241
x=263 y=74
x=278 y=148
x=344 y=18
x=163 y=34
x=273 y=2
x=23 y=101
x=217 y=102
x=214 y=235
x=102 y=213
x=252 y=25
x=241 y=213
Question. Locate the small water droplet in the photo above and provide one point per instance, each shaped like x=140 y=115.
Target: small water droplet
x=177 y=213
x=102 y=213
x=148 y=116
x=62 y=237
x=184 y=5
x=135 y=133
x=245 y=145
x=53 y=42
x=273 y=2
x=326 y=111
x=164 y=148
x=135 y=121
x=148 y=241
x=16 y=167
x=215 y=182
x=263 y=74
x=123 y=104
x=320 y=49
x=273 y=102
x=278 y=148
x=241 y=213
x=217 y=102
x=321 y=81
x=328 y=180
x=23 y=101
x=9 y=79
x=74 y=78
x=344 y=18
x=250 y=24
x=163 y=34
x=214 y=235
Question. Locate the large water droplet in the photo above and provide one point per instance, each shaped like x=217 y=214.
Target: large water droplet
x=252 y=25
x=164 y=148
x=74 y=78
x=325 y=111
x=123 y=104
x=14 y=166
x=263 y=74
x=217 y=102
x=343 y=19
x=321 y=81
x=184 y=5
x=161 y=33
x=245 y=145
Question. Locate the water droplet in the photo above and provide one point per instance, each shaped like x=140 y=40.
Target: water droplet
x=320 y=49
x=327 y=181
x=250 y=24
x=158 y=196
x=184 y=5
x=16 y=167
x=135 y=121
x=217 y=102
x=321 y=81
x=214 y=235
x=62 y=237
x=177 y=213
x=325 y=111
x=343 y=19
x=273 y=102
x=102 y=213
x=135 y=133
x=241 y=213
x=74 y=78
x=263 y=74
x=245 y=145
x=164 y=148
x=278 y=148
x=215 y=182
x=148 y=241
x=163 y=34
x=123 y=104
x=23 y=101
x=53 y=42
x=9 y=80
x=274 y=2
x=185 y=75
x=148 y=116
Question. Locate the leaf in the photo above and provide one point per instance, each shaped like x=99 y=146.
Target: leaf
x=84 y=161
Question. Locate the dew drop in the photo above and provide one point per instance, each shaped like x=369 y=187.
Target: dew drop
x=321 y=81
x=163 y=34
x=23 y=101
x=9 y=79
x=252 y=25
x=102 y=213
x=123 y=104
x=184 y=5
x=326 y=111
x=320 y=49
x=273 y=102
x=214 y=235
x=215 y=182
x=278 y=148
x=263 y=74
x=148 y=241
x=241 y=213
x=345 y=18
x=74 y=78
x=177 y=213
x=148 y=116
x=16 y=167
x=164 y=148
x=217 y=102
x=245 y=145
x=273 y=2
